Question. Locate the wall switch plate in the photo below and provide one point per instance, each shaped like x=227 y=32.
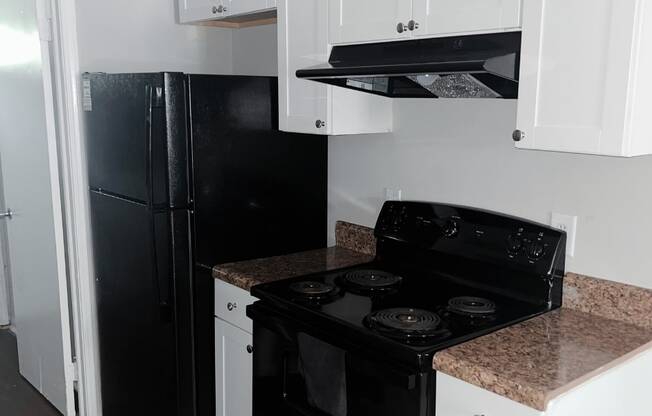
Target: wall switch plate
x=393 y=194
x=566 y=223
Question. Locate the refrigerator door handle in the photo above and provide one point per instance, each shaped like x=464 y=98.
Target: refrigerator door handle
x=163 y=288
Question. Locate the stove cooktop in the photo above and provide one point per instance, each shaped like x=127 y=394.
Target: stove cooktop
x=421 y=312
x=443 y=274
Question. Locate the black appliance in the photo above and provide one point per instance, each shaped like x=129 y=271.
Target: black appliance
x=361 y=340
x=474 y=66
x=185 y=172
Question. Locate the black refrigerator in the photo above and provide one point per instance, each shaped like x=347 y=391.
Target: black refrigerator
x=185 y=172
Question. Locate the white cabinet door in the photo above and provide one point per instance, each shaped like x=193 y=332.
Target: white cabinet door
x=367 y=20
x=233 y=370
x=311 y=107
x=246 y=6
x=575 y=75
x=303 y=42
x=443 y=17
x=458 y=398
x=197 y=10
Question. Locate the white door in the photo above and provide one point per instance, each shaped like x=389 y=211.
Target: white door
x=247 y=6
x=30 y=185
x=575 y=75
x=368 y=20
x=302 y=43
x=443 y=17
x=197 y=10
x=233 y=370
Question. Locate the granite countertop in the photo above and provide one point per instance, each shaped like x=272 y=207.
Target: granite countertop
x=536 y=361
x=355 y=245
x=246 y=274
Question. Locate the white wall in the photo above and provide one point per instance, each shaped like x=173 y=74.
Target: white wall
x=254 y=51
x=143 y=36
x=461 y=152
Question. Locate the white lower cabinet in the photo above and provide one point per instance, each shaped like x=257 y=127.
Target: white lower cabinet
x=233 y=360
x=458 y=398
x=233 y=350
x=307 y=106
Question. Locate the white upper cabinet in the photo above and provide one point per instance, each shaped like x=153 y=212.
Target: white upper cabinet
x=368 y=20
x=307 y=106
x=444 y=17
x=197 y=10
x=247 y=6
x=355 y=21
x=584 y=84
x=201 y=10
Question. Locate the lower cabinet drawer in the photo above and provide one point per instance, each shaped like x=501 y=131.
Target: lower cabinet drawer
x=231 y=304
x=458 y=398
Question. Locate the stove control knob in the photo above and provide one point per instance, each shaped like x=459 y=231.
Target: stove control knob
x=514 y=243
x=535 y=250
x=451 y=229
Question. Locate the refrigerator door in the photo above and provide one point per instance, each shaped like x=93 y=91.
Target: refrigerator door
x=136 y=136
x=258 y=192
x=142 y=263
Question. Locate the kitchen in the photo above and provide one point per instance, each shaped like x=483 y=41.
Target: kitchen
x=452 y=151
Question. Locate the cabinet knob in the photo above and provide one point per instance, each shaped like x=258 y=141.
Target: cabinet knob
x=412 y=25
x=401 y=27
x=231 y=306
x=320 y=123
x=518 y=135
x=215 y=9
x=250 y=349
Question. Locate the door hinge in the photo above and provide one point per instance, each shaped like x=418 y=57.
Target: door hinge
x=74 y=369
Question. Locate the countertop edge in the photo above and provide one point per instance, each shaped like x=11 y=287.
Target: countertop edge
x=568 y=388
x=539 y=399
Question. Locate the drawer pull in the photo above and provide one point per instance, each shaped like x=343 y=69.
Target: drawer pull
x=231 y=306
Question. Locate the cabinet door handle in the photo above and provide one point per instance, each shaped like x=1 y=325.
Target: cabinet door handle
x=215 y=10
x=400 y=28
x=231 y=306
x=518 y=135
x=412 y=25
x=320 y=123
x=250 y=349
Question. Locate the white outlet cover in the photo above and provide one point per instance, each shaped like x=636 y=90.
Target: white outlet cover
x=566 y=223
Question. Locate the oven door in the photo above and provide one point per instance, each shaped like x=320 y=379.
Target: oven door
x=298 y=370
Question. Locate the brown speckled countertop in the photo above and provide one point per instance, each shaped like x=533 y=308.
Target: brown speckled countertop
x=355 y=245
x=246 y=274
x=538 y=360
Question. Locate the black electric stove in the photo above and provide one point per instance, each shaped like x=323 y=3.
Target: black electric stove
x=330 y=343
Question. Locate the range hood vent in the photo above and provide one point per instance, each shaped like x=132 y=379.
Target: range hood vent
x=477 y=66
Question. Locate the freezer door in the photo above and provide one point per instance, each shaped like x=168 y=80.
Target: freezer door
x=140 y=265
x=136 y=136
x=258 y=191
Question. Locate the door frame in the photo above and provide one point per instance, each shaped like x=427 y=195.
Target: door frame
x=70 y=158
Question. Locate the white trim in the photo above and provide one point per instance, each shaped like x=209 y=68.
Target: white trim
x=44 y=17
x=75 y=200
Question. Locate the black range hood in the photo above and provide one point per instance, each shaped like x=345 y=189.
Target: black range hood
x=477 y=66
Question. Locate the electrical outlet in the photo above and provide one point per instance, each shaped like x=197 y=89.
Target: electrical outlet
x=566 y=223
x=393 y=194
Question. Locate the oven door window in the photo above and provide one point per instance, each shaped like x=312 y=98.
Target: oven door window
x=296 y=373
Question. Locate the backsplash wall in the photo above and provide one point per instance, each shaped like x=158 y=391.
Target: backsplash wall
x=461 y=152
